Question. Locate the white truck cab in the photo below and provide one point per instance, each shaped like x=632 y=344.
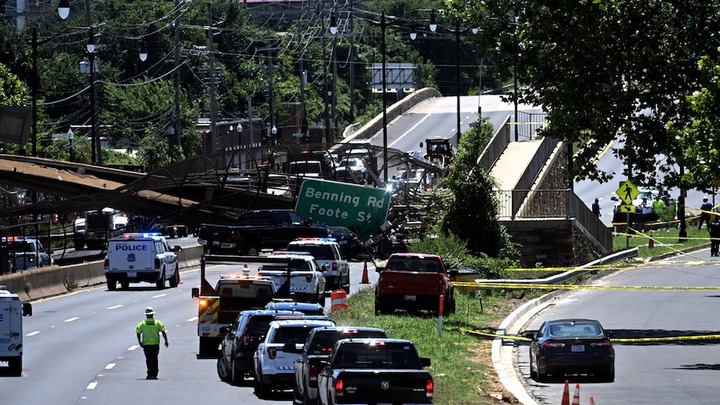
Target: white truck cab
x=11 y=336
x=141 y=257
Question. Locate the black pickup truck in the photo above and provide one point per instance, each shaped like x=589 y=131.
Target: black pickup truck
x=318 y=347
x=257 y=230
x=375 y=371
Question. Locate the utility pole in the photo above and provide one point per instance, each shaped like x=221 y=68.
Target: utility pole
x=178 y=118
x=352 y=65
x=213 y=86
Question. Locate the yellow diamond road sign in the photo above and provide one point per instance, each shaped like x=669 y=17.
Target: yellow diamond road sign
x=627 y=192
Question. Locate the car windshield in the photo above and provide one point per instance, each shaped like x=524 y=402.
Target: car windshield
x=319 y=252
x=324 y=341
x=575 y=329
x=259 y=324
x=414 y=264
x=397 y=355
x=291 y=334
x=21 y=247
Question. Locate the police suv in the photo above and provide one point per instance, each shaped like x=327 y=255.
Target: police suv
x=141 y=257
x=328 y=256
x=274 y=359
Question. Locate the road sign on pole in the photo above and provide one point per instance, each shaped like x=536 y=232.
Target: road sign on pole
x=627 y=192
x=353 y=206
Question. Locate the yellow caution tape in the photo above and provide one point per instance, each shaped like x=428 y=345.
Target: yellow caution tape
x=614 y=340
x=586 y=287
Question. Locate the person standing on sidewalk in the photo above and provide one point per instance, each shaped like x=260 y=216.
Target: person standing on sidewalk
x=148 y=335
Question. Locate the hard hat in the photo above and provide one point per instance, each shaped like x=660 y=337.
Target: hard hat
x=705 y=198
x=149 y=311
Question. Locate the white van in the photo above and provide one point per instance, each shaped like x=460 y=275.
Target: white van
x=141 y=257
x=11 y=312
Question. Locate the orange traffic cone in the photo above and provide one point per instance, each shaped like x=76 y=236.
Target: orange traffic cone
x=592 y=401
x=651 y=242
x=178 y=276
x=566 y=395
x=576 y=396
x=365 y=279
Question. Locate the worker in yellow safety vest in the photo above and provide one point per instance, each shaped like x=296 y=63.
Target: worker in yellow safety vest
x=148 y=335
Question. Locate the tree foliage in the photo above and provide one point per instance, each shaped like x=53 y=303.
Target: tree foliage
x=473 y=215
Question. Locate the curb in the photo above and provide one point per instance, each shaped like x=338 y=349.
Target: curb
x=503 y=350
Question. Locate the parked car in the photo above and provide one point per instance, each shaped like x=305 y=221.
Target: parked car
x=329 y=257
x=242 y=339
x=565 y=346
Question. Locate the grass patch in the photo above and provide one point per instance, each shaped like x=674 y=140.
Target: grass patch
x=461 y=363
x=665 y=241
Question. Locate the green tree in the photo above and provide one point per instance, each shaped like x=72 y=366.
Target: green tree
x=473 y=215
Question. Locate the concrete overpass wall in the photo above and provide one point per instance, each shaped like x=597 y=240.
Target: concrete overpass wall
x=55 y=280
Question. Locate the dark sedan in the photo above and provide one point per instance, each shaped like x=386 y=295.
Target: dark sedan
x=571 y=346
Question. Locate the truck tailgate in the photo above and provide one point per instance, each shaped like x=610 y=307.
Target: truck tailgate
x=395 y=386
x=399 y=282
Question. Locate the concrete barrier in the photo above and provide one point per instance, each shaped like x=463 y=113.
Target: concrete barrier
x=55 y=280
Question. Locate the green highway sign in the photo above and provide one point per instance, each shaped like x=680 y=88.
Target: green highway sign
x=353 y=206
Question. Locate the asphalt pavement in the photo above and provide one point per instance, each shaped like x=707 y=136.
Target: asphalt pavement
x=505 y=351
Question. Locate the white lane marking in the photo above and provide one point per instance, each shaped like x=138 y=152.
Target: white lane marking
x=33 y=333
x=74 y=318
x=115 y=306
x=92 y=385
x=133 y=347
x=193 y=319
x=110 y=366
x=411 y=129
x=159 y=295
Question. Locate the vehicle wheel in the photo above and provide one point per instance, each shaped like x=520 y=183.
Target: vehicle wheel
x=308 y=401
x=297 y=399
x=610 y=376
x=161 y=283
x=261 y=390
x=79 y=245
x=175 y=279
x=112 y=285
x=222 y=369
x=124 y=285
x=236 y=377
x=15 y=364
x=208 y=347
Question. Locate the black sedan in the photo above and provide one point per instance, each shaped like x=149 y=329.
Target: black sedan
x=571 y=346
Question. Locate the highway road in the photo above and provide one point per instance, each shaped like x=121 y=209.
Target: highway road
x=650 y=372
x=438 y=117
x=81 y=348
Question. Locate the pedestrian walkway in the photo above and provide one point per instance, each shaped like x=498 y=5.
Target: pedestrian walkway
x=512 y=163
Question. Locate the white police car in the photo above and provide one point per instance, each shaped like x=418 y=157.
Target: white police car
x=274 y=359
x=141 y=257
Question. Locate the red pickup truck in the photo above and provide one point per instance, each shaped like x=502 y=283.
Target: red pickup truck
x=414 y=281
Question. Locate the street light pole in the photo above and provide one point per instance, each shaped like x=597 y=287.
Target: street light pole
x=457 y=76
x=95 y=155
x=34 y=91
x=384 y=101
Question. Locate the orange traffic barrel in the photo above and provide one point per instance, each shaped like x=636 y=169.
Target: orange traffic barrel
x=338 y=300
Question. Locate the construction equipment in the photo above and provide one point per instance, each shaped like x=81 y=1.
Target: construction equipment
x=439 y=151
